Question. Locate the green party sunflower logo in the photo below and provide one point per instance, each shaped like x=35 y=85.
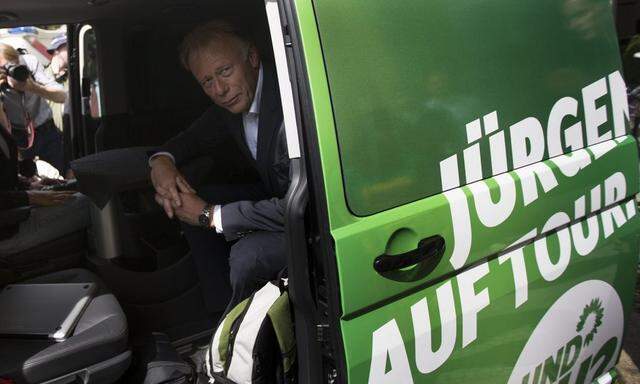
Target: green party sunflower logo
x=576 y=341
x=594 y=308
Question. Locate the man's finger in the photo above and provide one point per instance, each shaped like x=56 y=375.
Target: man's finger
x=175 y=195
x=163 y=192
x=184 y=186
x=179 y=213
x=165 y=204
x=168 y=208
x=159 y=199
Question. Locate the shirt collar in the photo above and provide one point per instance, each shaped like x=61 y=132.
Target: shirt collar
x=255 y=105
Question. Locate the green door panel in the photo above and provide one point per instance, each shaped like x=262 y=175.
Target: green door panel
x=502 y=127
x=406 y=78
x=358 y=244
x=494 y=322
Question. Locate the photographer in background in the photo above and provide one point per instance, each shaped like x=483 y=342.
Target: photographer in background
x=24 y=90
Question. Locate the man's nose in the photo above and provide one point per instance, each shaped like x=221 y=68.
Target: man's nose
x=220 y=87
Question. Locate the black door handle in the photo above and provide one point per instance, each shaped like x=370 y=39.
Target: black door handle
x=431 y=248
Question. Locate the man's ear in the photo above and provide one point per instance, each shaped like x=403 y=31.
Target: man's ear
x=254 y=57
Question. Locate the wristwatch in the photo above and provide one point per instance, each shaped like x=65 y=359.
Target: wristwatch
x=205 y=216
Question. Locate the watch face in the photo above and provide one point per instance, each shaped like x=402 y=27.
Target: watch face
x=203 y=220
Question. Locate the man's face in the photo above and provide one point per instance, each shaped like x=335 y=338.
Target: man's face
x=228 y=73
x=4 y=61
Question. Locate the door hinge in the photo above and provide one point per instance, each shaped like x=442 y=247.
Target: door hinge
x=286 y=35
x=332 y=376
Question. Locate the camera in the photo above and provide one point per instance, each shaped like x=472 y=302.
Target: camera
x=17 y=71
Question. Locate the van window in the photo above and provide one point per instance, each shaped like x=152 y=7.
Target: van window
x=404 y=93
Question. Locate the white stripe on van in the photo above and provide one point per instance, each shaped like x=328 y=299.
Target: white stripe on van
x=282 y=68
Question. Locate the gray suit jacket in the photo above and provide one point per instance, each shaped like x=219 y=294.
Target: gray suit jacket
x=272 y=163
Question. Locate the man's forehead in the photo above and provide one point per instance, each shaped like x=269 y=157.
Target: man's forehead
x=216 y=53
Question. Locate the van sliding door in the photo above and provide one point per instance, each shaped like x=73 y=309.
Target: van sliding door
x=479 y=183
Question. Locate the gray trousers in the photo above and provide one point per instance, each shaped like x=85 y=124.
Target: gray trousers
x=48 y=223
x=230 y=272
x=253 y=261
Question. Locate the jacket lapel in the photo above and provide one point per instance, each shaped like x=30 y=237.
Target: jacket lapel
x=237 y=131
x=270 y=115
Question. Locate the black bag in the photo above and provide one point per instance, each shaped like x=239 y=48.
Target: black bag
x=160 y=363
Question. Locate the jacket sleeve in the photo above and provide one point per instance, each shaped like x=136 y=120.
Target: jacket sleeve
x=242 y=217
x=201 y=138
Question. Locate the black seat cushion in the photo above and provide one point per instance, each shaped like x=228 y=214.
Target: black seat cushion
x=101 y=333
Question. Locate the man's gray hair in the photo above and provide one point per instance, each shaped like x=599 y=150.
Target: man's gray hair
x=202 y=36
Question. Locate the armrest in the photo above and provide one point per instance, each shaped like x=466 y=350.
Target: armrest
x=14 y=216
x=102 y=175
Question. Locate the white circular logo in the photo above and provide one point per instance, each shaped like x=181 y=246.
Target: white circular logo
x=576 y=341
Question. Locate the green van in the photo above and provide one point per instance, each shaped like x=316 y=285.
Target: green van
x=462 y=207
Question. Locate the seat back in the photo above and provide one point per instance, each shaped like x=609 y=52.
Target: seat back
x=56 y=255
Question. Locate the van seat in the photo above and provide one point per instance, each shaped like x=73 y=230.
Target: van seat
x=97 y=351
x=56 y=255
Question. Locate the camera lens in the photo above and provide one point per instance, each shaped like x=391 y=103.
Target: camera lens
x=18 y=72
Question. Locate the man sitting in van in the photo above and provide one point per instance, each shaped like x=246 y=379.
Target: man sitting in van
x=230 y=71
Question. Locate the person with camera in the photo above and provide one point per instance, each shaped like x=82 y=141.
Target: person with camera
x=24 y=90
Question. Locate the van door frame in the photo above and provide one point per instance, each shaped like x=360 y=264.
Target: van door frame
x=75 y=112
x=308 y=356
x=319 y=341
